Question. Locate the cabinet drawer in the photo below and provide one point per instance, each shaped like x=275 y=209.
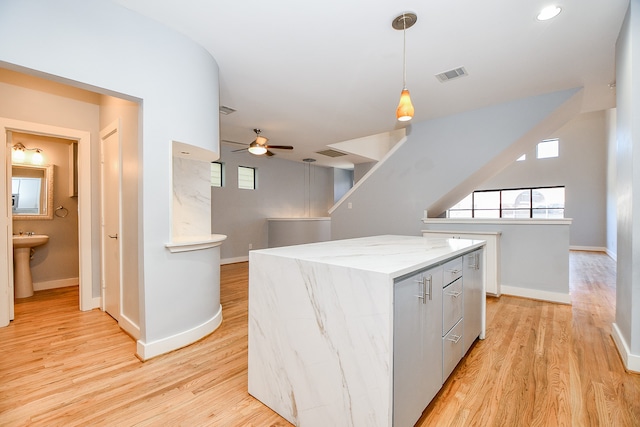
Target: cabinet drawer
x=452 y=350
x=452 y=307
x=452 y=270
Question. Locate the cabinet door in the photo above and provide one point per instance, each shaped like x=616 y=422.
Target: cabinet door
x=472 y=288
x=417 y=344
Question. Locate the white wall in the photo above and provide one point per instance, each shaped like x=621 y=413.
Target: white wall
x=581 y=168
x=286 y=189
x=107 y=47
x=442 y=160
x=627 y=323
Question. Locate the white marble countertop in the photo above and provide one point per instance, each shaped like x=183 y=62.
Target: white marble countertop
x=387 y=254
x=195 y=243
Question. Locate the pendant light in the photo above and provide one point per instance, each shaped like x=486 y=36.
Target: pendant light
x=404 y=112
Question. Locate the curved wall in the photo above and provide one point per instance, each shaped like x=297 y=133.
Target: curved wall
x=106 y=48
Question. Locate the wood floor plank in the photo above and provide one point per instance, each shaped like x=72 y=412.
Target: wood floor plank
x=542 y=364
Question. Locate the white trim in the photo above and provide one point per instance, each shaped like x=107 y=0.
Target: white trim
x=96 y=302
x=613 y=255
x=55 y=284
x=503 y=221
x=588 y=248
x=195 y=243
x=146 y=351
x=129 y=326
x=234 y=260
x=631 y=361
x=536 y=294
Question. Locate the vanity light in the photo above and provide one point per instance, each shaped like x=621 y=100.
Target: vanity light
x=37 y=158
x=17 y=155
x=549 y=12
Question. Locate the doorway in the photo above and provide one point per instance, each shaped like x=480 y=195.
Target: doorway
x=86 y=241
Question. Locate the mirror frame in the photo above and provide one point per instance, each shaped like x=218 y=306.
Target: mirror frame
x=48 y=187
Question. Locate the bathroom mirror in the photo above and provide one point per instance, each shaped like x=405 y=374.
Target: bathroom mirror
x=32 y=191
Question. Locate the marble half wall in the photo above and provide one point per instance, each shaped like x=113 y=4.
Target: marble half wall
x=191 y=198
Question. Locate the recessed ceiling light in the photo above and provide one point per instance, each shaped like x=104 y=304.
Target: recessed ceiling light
x=549 y=12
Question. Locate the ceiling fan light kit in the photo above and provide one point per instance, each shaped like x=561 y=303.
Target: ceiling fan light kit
x=259 y=146
x=405 y=110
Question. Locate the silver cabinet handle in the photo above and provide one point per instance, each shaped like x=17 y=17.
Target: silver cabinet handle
x=113 y=237
x=454 y=271
x=453 y=294
x=454 y=338
x=424 y=295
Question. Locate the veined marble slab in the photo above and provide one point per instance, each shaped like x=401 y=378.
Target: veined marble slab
x=321 y=322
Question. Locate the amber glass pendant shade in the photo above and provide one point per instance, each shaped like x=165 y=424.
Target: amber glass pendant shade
x=405 y=107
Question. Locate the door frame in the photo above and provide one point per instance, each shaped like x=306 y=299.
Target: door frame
x=86 y=241
x=105 y=133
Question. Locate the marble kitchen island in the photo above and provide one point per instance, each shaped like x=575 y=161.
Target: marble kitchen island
x=321 y=325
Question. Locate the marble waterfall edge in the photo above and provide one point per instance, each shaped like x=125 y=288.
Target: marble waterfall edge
x=317 y=341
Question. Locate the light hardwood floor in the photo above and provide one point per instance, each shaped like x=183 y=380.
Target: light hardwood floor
x=542 y=364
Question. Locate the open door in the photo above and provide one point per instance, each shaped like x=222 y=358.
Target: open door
x=110 y=221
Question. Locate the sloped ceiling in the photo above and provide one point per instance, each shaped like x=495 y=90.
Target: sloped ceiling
x=313 y=73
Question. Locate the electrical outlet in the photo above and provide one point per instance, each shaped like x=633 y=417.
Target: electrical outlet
x=250 y=245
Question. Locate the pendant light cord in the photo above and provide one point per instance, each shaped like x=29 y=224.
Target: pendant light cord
x=404 y=52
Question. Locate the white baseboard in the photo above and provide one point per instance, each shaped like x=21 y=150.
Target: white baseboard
x=631 y=361
x=588 y=248
x=129 y=327
x=54 y=284
x=234 y=260
x=96 y=302
x=536 y=294
x=146 y=351
x=613 y=255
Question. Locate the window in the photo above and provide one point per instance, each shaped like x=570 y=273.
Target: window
x=541 y=202
x=522 y=158
x=246 y=178
x=216 y=174
x=547 y=148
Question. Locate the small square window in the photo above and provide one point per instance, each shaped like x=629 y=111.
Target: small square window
x=246 y=178
x=522 y=158
x=216 y=174
x=547 y=149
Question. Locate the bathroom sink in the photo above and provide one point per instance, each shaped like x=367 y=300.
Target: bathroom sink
x=26 y=241
x=22 y=249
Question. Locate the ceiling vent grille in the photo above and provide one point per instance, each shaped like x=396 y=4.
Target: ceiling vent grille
x=452 y=74
x=331 y=153
x=226 y=110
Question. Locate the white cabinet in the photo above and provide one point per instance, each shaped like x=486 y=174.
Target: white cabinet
x=492 y=253
x=417 y=354
x=473 y=296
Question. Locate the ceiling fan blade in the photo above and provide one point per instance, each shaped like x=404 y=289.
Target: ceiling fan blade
x=242 y=149
x=281 y=147
x=269 y=153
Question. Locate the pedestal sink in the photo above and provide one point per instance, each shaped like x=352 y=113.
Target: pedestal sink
x=22 y=245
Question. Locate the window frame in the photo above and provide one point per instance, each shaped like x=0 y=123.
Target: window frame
x=255 y=177
x=221 y=175
x=501 y=208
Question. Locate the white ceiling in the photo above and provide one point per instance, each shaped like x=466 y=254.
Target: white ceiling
x=313 y=73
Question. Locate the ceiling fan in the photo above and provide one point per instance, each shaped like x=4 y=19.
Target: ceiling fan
x=260 y=146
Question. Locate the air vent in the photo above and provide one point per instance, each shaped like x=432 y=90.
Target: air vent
x=331 y=153
x=452 y=74
x=226 y=110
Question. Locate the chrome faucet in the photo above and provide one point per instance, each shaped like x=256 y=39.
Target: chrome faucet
x=30 y=233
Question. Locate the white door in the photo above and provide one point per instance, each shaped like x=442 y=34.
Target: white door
x=110 y=165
